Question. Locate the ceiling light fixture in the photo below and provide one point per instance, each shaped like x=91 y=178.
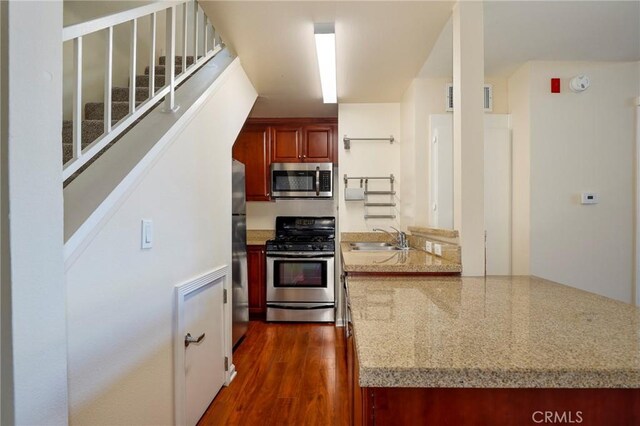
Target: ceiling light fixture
x=326 y=50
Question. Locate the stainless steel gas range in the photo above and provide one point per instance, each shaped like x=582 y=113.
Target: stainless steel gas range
x=300 y=270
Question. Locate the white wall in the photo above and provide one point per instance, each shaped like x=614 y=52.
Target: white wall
x=584 y=142
x=369 y=158
x=580 y=142
x=262 y=215
x=423 y=98
x=121 y=298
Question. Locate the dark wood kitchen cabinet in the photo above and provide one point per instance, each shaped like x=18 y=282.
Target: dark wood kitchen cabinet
x=319 y=143
x=309 y=143
x=252 y=147
x=263 y=141
x=257 y=276
x=286 y=144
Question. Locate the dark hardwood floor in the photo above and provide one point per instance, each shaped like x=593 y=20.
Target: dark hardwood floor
x=288 y=374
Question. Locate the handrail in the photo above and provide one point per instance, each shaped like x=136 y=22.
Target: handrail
x=102 y=23
x=200 y=27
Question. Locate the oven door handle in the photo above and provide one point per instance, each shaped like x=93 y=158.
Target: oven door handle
x=299 y=308
x=277 y=256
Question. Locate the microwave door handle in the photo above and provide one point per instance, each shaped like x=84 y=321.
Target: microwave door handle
x=317 y=181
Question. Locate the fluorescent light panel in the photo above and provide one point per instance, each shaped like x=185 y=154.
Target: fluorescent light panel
x=326 y=50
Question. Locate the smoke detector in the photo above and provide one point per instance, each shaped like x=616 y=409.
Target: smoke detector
x=579 y=83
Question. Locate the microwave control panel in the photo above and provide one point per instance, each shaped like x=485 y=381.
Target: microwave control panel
x=325 y=181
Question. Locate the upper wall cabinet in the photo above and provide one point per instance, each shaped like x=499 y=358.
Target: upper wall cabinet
x=253 y=149
x=318 y=144
x=286 y=144
x=304 y=140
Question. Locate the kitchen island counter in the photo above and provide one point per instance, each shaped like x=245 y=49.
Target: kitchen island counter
x=498 y=332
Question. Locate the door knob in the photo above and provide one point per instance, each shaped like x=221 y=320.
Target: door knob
x=188 y=339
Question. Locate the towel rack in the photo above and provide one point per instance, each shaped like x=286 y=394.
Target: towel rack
x=347 y=140
x=368 y=203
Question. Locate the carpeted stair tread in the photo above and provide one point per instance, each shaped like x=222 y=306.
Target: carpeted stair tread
x=91 y=130
x=143 y=81
x=178 y=60
x=162 y=69
x=95 y=110
x=121 y=94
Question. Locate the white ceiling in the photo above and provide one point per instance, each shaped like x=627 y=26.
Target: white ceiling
x=382 y=45
x=520 y=31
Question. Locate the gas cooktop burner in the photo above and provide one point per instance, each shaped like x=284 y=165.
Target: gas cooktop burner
x=295 y=233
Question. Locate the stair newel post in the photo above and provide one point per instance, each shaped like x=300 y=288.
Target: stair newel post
x=132 y=69
x=170 y=64
x=185 y=35
x=108 y=77
x=77 y=98
x=152 y=55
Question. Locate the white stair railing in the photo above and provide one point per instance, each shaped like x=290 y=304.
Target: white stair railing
x=211 y=42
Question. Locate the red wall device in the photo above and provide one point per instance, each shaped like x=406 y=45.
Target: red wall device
x=555 y=85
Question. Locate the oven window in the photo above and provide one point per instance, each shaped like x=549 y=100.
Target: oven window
x=300 y=273
x=293 y=181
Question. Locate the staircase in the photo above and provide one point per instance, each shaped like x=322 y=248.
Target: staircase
x=93 y=123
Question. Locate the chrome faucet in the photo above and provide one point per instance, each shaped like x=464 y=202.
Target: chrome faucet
x=400 y=237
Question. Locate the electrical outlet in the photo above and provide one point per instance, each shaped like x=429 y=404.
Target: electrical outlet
x=428 y=246
x=437 y=248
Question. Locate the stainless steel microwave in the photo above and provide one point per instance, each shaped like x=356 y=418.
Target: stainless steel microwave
x=302 y=180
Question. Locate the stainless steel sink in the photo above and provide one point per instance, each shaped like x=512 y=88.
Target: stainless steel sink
x=371 y=246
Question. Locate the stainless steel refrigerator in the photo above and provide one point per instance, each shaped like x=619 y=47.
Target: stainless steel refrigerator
x=240 y=295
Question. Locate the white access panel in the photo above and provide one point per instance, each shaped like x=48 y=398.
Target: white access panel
x=204 y=361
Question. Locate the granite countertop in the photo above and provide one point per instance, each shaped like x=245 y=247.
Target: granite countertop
x=259 y=237
x=410 y=261
x=498 y=332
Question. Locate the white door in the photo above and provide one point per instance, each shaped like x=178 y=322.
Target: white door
x=204 y=361
x=497 y=184
x=441 y=170
x=497 y=193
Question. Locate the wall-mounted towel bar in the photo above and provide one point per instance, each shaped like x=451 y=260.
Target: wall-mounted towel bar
x=380 y=216
x=363 y=178
x=380 y=193
x=347 y=140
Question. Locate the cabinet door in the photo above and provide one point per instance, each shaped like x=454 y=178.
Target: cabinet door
x=256 y=265
x=318 y=144
x=253 y=149
x=286 y=144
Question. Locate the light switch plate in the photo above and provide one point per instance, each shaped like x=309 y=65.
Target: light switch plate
x=437 y=248
x=147 y=234
x=428 y=246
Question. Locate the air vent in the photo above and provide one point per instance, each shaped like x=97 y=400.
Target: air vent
x=487 y=98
